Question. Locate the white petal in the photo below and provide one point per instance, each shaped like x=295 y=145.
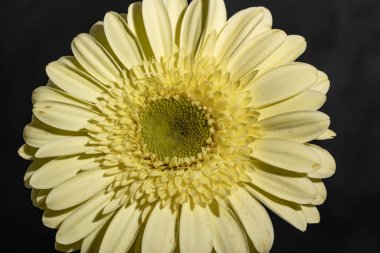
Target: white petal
x=63 y=116
x=321 y=192
x=281 y=83
x=84 y=220
x=195 y=232
x=162 y=222
x=175 y=9
x=301 y=126
x=311 y=213
x=238 y=27
x=249 y=55
x=78 y=189
x=288 y=211
x=58 y=170
x=122 y=230
x=282 y=184
x=136 y=24
x=254 y=218
x=287 y=155
x=228 y=235
x=289 y=51
x=53 y=219
x=74 y=81
x=95 y=59
x=191 y=29
x=322 y=84
x=45 y=93
x=122 y=40
x=64 y=147
x=328 y=163
x=307 y=100
x=158 y=27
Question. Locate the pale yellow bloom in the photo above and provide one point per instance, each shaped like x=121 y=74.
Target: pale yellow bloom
x=172 y=127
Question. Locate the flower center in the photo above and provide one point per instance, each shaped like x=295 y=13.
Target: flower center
x=175 y=127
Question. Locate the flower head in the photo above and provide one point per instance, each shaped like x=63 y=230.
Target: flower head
x=171 y=128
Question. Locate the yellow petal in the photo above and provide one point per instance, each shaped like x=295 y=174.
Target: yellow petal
x=64 y=147
x=254 y=218
x=282 y=184
x=74 y=81
x=191 y=29
x=301 y=126
x=288 y=211
x=238 y=27
x=33 y=167
x=57 y=171
x=216 y=16
x=97 y=32
x=68 y=248
x=321 y=192
x=328 y=163
x=158 y=27
x=63 y=116
x=27 y=152
x=249 y=55
x=162 y=222
x=287 y=155
x=122 y=40
x=95 y=59
x=228 y=235
x=39 y=198
x=78 y=189
x=264 y=25
x=84 y=220
x=44 y=93
x=311 y=213
x=289 y=51
x=176 y=10
x=53 y=218
x=136 y=24
x=122 y=230
x=281 y=83
x=195 y=233
x=322 y=84
x=307 y=100
x=328 y=134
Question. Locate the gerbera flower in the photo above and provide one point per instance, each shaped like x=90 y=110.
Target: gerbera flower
x=172 y=128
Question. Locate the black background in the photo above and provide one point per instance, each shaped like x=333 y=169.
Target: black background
x=343 y=40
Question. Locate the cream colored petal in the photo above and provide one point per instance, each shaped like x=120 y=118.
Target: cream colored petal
x=301 y=126
x=228 y=235
x=44 y=93
x=84 y=220
x=68 y=248
x=33 y=167
x=64 y=147
x=176 y=10
x=58 y=171
x=93 y=241
x=307 y=100
x=254 y=218
x=321 y=192
x=322 y=84
x=195 y=232
x=191 y=28
x=122 y=230
x=122 y=40
x=37 y=134
x=328 y=163
x=328 y=134
x=216 y=16
x=264 y=25
x=281 y=83
x=311 y=213
x=282 y=184
x=136 y=24
x=27 y=152
x=97 y=32
x=288 y=211
x=39 y=198
x=95 y=59
x=238 y=27
x=158 y=27
x=74 y=81
x=78 y=189
x=63 y=116
x=289 y=51
x=287 y=155
x=162 y=222
x=53 y=219
x=249 y=55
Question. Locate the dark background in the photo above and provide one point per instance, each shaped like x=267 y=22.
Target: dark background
x=343 y=40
